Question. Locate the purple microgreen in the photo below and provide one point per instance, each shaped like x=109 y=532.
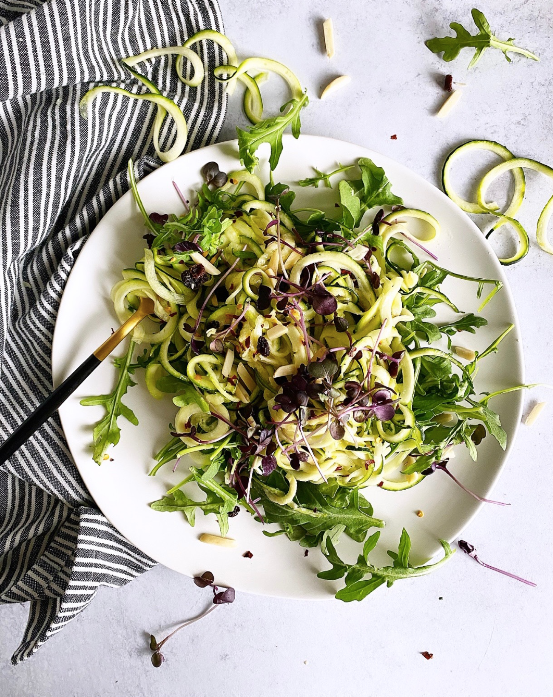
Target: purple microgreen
x=418 y=244
x=159 y=218
x=325 y=304
x=235 y=511
x=149 y=239
x=181 y=196
x=311 y=452
x=219 y=180
x=442 y=466
x=336 y=429
x=186 y=246
x=223 y=597
x=157 y=657
x=340 y=323
x=469 y=549
x=268 y=465
x=206 y=579
x=209 y=171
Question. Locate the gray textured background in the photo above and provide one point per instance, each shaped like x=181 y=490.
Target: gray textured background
x=489 y=635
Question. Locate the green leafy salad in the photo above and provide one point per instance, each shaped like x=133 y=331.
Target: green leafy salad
x=297 y=348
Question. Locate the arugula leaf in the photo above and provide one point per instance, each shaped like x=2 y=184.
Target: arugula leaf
x=189 y=395
x=107 y=431
x=352 y=211
x=318 y=513
x=451 y=46
x=360 y=195
x=377 y=188
x=468 y=323
x=357 y=589
x=270 y=131
x=219 y=500
x=212 y=229
x=322 y=177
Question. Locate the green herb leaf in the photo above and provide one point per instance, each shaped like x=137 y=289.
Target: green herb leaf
x=451 y=46
x=317 y=513
x=189 y=395
x=270 y=131
x=357 y=589
x=377 y=189
x=322 y=177
x=107 y=431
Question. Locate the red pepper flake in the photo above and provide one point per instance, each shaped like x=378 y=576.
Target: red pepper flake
x=306 y=553
x=380 y=484
x=427 y=655
x=448 y=83
x=111 y=459
x=368 y=463
x=172 y=314
x=247 y=342
x=394 y=137
x=248 y=555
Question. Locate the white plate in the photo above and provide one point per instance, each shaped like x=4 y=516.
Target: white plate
x=121 y=488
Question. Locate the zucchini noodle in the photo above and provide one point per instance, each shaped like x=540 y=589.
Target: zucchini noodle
x=276 y=316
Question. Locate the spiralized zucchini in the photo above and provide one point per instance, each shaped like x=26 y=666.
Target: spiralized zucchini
x=258 y=333
x=516 y=166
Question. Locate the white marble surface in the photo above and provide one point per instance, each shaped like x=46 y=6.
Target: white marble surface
x=489 y=635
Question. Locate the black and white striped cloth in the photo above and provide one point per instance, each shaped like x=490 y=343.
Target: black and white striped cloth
x=58 y=175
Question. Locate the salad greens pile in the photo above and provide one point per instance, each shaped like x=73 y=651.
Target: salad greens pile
x=299 y=351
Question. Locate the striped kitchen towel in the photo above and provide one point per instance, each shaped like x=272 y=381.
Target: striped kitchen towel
x=59 y=174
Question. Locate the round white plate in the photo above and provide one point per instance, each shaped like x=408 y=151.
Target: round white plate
x=122 y=488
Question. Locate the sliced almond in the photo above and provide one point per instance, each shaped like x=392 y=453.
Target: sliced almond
x=449 y=104
x=462 y=352
x=241 y=393
x=335 y=84
x=246 y=377
x=285 y=370
x=536 y=411
x=217 y=540
x=208 y=266
x=275 y=332
x=227 y=364
x=328 y=30
x=359 y=252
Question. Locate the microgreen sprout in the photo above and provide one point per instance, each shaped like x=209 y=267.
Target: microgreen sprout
x=220 y=597
x=469 y=549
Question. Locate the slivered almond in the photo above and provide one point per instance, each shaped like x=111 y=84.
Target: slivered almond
x=241 y=393
x=536 y=411
x=285 y=370
x=276 y=331
x=449 y=104
x=359 y=252
x=462 y=352
x=246 y=377
x=328 y=30
x=227 y=365
x=217 y=540
x=208 y=266
x=335 y=84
